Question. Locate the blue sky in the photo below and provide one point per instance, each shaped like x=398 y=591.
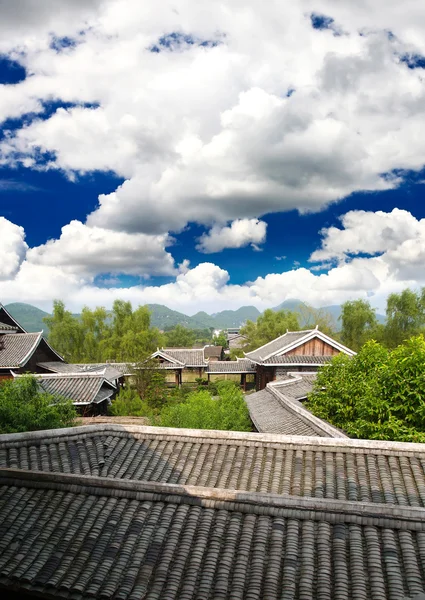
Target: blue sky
x=167 y=157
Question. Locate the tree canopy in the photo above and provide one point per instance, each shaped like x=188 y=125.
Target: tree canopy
x=358 y=322
x=25 y=407
x=270 y=325
x=377 y=394
x=121 y=335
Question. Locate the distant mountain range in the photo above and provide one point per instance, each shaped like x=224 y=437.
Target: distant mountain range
x=31 y=317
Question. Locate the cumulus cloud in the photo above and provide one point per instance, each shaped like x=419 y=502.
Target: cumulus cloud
x=89 y=251
x=225 y=131
x=238 y=234
x=12 y=248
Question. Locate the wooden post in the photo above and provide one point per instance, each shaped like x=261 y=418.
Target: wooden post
x=177 y=377
x=243 y=381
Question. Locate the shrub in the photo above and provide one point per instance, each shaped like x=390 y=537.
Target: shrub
x=129 y=404
x=378 y=394
x=24 y=406
x=202 y=411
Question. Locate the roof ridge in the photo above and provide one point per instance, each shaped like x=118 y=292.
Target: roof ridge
x=297 y=507
x=145 y=431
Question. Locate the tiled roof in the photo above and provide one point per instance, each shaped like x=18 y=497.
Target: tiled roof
x=138 y=512
x=232 y=366
x=59 y=367
x=193 y=357
x=7 y=327
x=296 y=385
x=109 y=370
x=269 y=415
x=276 y=408
x=212 y=351
x=294 y=359
x=7 y=319
x=17 y=348
x=279 y=344
x=80 y=388
x=122 y=368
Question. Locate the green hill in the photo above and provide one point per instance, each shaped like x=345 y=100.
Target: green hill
x=30 y=317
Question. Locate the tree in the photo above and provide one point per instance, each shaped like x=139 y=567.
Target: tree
x=378 y=394
x=311 y=317
x=358 y=323
x=150 y=382
x=24 y=406
x=405 y=316
x=220 y=340
x=66 y=333
x=201 y=411
x=270 y=325
x=180 y=337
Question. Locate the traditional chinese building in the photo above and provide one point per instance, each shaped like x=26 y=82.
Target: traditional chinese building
x=294 y=351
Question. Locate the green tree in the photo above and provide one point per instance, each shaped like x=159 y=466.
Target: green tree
x=405 y=316
x=201 y=411
x=220 y=339
x=378 y=394
x=359 y=323
x=180 y=337
x=270 y=325
x=24 y=406
x=128 y=403
x=66 y=332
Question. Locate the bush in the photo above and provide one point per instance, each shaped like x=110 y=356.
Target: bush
x=129 y=404
x=202 y=411
x=378 y=394
x=25 y=407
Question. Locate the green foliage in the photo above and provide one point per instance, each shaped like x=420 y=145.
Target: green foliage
x=270 y=325
x=405 y=316
x=128 y=403
x=358 y=323
x=201 y=411
x=378 y=394
x=220 y=339
x=24 y=407
x=180 y=337
x=97 y=335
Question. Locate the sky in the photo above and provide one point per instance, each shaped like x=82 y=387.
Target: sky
x=208 y=156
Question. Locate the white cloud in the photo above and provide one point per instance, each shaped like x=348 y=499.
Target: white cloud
x=89 y=251
x=240 y=233
x=209 y=134
x=366 y=232
x=12 y=248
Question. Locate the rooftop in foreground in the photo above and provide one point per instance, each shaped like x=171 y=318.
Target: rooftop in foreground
x=140 y=512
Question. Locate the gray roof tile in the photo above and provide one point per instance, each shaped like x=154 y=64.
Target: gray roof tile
x=232 y=366
x=269 y=415
x=80 y=388
x=279 y=344
x=190 y=357
x=16 y=348
x=294 y=359
x=109 y=370
x=297 y=519
x=7 y=327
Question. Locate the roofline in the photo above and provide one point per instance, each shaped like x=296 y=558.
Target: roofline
x=411 y=448
x=308 y=508
x=301 y=412
x=13 y=319
x=293 y=364
x=167 y=356
x=276 y=339
x=310 y=335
